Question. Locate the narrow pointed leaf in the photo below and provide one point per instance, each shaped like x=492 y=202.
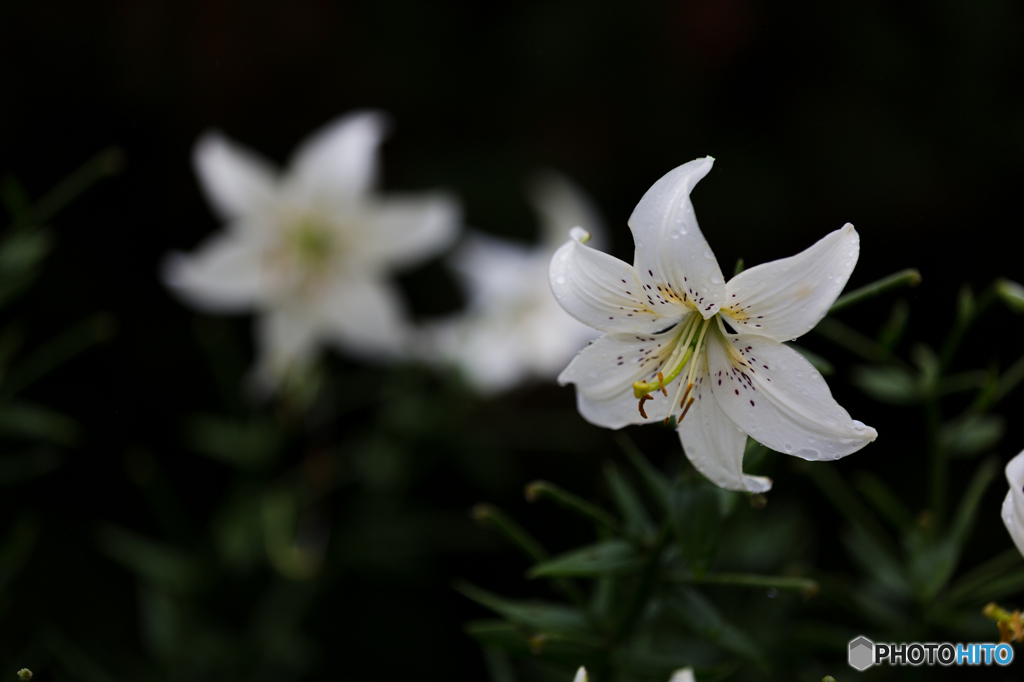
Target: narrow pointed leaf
x=612 y=557
x=536 y=615
x=696 y=517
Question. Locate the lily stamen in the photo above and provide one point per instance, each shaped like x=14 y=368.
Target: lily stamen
x=644 y=399
x=661 y=384
x=685 y=410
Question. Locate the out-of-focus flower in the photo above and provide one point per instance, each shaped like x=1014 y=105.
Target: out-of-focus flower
x=671 y=316
x=310 y=249
x=513 y=329
x=1013 y=505
x=681 y=675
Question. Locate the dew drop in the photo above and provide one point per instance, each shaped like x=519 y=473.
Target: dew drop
x=708 y=253
x=675 y=234
x=560 y=279
x=715 y=279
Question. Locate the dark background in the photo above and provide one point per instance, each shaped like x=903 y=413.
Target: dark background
x=906 y=121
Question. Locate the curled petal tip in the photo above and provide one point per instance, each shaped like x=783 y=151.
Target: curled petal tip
x=580 y=235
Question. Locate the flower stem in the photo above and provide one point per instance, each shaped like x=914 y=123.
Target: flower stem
x=107 y=162
x=488 y=514
x=646 y=586
x=543 y=489
x=909 y=277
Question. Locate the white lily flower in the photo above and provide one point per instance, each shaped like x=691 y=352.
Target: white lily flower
x=712 y=349
x=310 y=249
x=1013 y=505
x=513 y=330
x=681 y=675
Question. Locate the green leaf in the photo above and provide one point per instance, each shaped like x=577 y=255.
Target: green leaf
x=612 y=557
x=536 y=615
x=932 y=567
x=876 y=561
x=887 y=384
x=152 y=561
x=34 y=422
x=696 y=612
x=696 y=516
x=1010 y=293
x=16 y=548
x=892 y=331
x=638 y=523
x=556 y=647
x=243 y=444
x=19 y=467
x=14 y=196
x=657 y=483
x=972 y=435
x=967 y=510
x=883 y=499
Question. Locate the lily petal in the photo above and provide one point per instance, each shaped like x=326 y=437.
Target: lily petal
x=561 y=206
x=603 y=292
x=604 y=373
x=236 y=181
x=363 y=317
x=401 y=230
x=714 y=444
x=683 y=675
x=581 y=675
x=785 y=298
x=225 y=274
x=286 y=342
x=341 y=158
x=670 y=249
x=1013 y=505
x=776 y=396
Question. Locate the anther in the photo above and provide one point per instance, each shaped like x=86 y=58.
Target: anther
x=661 y=384
x=688 y=405
x=689 y=387
x=644 y=399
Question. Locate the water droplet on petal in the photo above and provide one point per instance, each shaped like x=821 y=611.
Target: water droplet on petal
x=708 y=253
x=674 y=234
x=715 y=279
x=560 y=279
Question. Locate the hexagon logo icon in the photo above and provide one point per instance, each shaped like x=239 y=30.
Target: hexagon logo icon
x=862 y=653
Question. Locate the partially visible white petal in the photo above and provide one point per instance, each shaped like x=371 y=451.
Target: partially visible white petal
x=778 y=397
x=561 y=206
x=225 y=274
x=714 y=444
x=340 y=158
x=683 y=675
x=286 y=341
x=403 y=229
x=236 y=181
x=1013 y=505
x=785 y=298
x=603 y=292
x=363 y=317
x=581 y=675
x=604 y=373
x=499 y=272
x=671 y=251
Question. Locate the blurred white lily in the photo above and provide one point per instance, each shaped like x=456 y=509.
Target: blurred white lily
x=681 y=675
x=513 y=329
x=1013 y=505
x=712 y=349
x=310 y=249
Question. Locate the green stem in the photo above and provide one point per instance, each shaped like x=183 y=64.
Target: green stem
x=646 y=586
x=82 y=336
x=574 y=503
x=107 y=162
x=909 y=277
x=487 y=514
x=937 y=464
x=852 y=340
